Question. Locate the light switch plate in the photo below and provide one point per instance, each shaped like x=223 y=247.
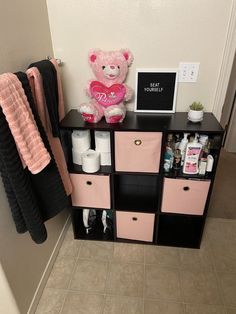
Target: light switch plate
x=188 y=72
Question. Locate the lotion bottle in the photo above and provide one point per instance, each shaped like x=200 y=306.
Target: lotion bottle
x=192 y=154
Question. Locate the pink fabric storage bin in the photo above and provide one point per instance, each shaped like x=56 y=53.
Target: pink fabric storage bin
x=90 y=190
x=137 y=151
x=184 y=196
x=135 y=226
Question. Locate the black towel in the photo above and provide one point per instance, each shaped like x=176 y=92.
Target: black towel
x=47 y=184
x=19 y=190
x=49 y=77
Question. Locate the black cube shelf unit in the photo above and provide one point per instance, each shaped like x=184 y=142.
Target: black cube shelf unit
x=144 y=204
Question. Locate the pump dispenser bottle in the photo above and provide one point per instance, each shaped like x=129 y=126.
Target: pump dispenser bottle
x=182 y=147
x=192 y=154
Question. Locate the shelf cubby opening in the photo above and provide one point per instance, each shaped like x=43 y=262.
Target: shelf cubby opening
x=91 y=227
x=77 y=168
x=136 y=192
x=173 y=140
x=180 y=230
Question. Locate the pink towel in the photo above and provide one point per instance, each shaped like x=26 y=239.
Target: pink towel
x=22 y=124
x=36 y=85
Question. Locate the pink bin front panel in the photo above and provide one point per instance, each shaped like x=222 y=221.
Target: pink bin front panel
x=135 y=226
x=137 y=158
x=184 y=196
x=90 y=190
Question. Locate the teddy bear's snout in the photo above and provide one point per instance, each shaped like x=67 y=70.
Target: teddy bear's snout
x=111 y=71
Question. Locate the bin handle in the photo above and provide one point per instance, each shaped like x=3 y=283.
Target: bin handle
x=137 y=142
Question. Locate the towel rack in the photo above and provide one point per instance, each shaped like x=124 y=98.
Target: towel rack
x=59 y=62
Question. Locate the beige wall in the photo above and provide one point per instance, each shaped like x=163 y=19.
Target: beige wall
x=25 y=37
x=229 y=112
x=159 y=33
x=229 y=99
x=7 y=302
x=24 y=33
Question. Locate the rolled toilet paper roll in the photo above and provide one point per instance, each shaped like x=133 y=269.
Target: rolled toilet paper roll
x=80 y=140
x=105 y=159
x=90 y=161
x=76 y=157
x=102 y=141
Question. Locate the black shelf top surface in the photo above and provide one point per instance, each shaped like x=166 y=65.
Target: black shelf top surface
x=180 y=122
x=146 y=122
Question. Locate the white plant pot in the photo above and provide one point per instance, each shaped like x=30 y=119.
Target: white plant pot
x=195 y=115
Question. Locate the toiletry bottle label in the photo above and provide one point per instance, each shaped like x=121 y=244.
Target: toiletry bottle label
x=191 y=159
x=202 y=166
x=191 y=167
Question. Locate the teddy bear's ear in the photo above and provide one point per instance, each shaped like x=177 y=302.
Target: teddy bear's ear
x=128 y=55
x=93 y=55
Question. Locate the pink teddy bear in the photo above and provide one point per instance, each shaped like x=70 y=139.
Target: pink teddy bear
x=108 y=92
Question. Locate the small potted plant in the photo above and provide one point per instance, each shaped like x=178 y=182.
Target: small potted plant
x=195 y=113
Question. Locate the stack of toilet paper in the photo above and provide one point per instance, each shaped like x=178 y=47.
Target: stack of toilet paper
x=91 y=159
x=81 y=152
x=80 y=144
x=103 y=146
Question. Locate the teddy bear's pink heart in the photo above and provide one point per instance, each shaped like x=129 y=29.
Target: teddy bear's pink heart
x=107 y=96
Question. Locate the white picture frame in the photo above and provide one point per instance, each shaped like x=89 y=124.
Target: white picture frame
x=156 y=90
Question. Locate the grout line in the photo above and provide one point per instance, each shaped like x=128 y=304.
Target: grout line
x=108 y=276
x=79 y=291
x=216 y=273
x=63 y=303
x=144 y=276
x=104 y=260
x=71 y=276
x=219 y=288
x=75 y=266
x=180 y=282
x=163 y=266
x=180 y=287
x=104 y=304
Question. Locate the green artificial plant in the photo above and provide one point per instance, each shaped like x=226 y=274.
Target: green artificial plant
x=197 y=106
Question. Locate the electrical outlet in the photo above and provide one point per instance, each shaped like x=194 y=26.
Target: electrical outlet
x=188 y=72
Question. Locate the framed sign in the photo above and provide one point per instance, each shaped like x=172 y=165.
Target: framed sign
x=156 y=90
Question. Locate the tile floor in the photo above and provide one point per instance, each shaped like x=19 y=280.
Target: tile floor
x=116 y=278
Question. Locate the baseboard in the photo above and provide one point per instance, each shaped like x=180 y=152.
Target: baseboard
x=48 y=269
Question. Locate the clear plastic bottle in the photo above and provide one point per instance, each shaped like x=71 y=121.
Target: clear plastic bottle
x=169 y=153
x=177 y=140
x=182 y=147
x=177 y=159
